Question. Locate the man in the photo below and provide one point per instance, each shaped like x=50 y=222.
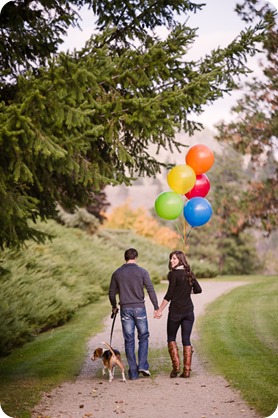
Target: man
x=129 y=282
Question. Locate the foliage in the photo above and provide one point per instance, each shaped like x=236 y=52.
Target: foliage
x=87 y=118
x=267 y=247
x=243 y=346
x=42 y=286
x=254 y=130
x=32 y=31
x=81 y=218
x=98 y=205
x=143 y=224
x=203 y=269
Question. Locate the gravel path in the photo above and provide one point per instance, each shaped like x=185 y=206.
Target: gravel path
x=203 y=395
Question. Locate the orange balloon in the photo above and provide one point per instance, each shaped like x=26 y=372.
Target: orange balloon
x=200 y=158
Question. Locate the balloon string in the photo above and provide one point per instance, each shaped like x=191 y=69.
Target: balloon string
x=184 y=232
x=189 y=232
x=180 y=234
x=183 y=236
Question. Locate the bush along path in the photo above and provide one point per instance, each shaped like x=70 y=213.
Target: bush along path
x=203 y=395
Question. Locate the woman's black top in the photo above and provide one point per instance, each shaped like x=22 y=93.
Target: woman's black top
x=179 y=291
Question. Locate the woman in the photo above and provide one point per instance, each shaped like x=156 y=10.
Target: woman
x=182 y=282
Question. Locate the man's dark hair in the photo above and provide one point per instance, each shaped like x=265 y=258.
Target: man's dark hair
x=131 y=254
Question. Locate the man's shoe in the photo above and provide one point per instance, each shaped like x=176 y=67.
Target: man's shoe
x=145 y=373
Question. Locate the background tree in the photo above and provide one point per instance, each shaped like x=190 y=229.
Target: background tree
x=98 y=205
x=87 y=118
x=143 y=224
x=254 y=130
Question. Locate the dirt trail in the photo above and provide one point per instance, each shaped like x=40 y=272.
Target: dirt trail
x=201 y=396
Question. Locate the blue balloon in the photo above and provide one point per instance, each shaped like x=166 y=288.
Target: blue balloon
x=197 y=211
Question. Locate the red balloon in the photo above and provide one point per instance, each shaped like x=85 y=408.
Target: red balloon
x=200 y=158
x=201 y=188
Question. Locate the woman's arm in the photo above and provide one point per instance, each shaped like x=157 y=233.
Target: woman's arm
x=163 y=305
x=168 y=295
x=196 y=287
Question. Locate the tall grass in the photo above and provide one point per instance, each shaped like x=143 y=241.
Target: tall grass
x=42 y=286
x=239 y=337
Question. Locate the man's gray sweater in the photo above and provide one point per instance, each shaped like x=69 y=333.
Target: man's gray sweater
x=129 y=281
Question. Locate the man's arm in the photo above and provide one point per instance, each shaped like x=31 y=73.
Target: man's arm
x=112 y=292
x=150 y=289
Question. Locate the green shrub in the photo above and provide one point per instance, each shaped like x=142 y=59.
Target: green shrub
x=204 y=269
x=44 y=285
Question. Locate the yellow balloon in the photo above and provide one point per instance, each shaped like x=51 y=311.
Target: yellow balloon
x=181 y=178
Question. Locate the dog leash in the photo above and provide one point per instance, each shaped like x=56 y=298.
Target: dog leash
x=113 y=316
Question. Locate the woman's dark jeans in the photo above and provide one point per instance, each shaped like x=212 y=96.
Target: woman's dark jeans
x=176 y=320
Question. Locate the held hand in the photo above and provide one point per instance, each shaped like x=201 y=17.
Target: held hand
x=157 y=314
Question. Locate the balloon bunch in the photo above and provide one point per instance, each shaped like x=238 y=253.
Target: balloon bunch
x=188 y=180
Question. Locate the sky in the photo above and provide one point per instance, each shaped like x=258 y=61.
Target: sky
x=217 y=25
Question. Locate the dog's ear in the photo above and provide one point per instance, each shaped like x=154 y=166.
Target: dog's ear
x=98 y=352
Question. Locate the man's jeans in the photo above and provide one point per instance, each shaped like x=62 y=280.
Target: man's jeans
x=131 y=318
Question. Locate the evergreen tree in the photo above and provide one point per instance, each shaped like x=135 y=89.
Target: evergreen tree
x=86 y=119
x=98 y=205
x=32 y=30
x=254 y=129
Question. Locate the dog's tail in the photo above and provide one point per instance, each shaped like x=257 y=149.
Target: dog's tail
x=109 y=347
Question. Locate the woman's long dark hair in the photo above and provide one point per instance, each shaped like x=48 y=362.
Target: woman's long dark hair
x=182 y=262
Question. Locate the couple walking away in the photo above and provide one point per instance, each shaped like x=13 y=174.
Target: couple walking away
x=129 y=282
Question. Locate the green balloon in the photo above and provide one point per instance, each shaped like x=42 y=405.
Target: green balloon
x=168 y=205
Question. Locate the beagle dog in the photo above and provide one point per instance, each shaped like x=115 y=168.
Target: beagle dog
x=110 y=359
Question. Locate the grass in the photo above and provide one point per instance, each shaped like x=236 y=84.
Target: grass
x=53 y=357
x=239 y=338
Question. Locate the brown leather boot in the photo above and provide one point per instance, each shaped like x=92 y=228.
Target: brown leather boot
x=187 y=359
x=174 y=354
